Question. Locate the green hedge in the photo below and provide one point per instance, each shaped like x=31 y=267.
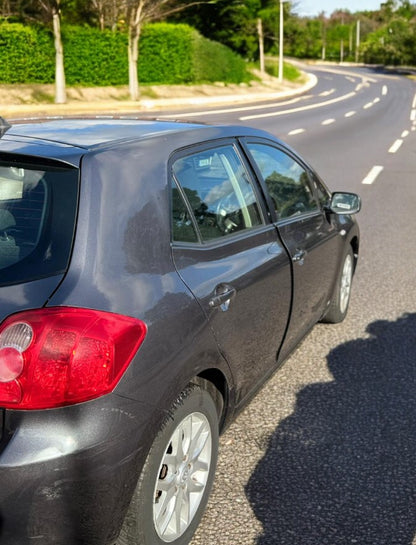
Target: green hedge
x=167 y=54
x=179 y=54
x=26 y=54
x=93 y=57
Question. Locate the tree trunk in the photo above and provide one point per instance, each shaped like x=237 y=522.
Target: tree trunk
x=261 y=44
x=133 y=54
x=60 y=89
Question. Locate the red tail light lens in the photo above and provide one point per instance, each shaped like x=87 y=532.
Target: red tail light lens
x=60 y=356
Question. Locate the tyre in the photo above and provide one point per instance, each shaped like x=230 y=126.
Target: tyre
x=176 y=480
x=340 y=300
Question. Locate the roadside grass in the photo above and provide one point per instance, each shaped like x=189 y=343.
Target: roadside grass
x=290 y=72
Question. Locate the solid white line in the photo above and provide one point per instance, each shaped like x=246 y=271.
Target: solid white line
x=372 y=175
x=328 y=122
x=350 y=114
x=301 y=109
x=239 y=109
x=368 y=105
x=404 y=134
x=384 y=90
x=396 y=146
x=296 y=131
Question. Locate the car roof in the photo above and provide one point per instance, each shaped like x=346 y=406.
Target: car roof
x=90 y=133
x=69 y=139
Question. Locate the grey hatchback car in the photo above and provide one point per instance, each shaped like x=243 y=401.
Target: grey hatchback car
x=152 y=276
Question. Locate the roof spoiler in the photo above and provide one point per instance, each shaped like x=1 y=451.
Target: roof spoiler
x=4 y=126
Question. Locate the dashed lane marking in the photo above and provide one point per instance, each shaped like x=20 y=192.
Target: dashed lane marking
x=396 y=145
x=372 y=175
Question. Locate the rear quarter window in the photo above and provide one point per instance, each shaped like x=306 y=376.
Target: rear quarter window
x=37 y=220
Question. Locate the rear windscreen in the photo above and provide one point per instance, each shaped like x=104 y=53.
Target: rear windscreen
x=37 y=219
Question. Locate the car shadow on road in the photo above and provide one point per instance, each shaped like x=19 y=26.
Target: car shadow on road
x=341 y=468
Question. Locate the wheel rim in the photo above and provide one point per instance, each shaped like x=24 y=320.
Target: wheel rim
x=345 y=289
x=182 y=477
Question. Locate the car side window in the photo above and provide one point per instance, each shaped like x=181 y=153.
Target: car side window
x=286 y=180
x=218 y=191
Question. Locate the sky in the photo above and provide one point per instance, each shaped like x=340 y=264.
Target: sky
x=314 y=7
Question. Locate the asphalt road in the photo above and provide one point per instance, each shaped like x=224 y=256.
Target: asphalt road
x=326 y=452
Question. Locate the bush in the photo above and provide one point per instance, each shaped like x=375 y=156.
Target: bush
x=26 y=54
x=93 y=57
x=165 y=54
x=213 y=61
x=168 y=54
x=179 y=54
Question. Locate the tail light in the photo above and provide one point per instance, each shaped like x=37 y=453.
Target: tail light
x=59 y=356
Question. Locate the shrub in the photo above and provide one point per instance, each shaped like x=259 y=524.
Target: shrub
x=26 y=54
x=168 y=54
x=94 y=57
x=213 y=61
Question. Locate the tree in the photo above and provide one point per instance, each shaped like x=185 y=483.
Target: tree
x=139 y=12
x=51 y=10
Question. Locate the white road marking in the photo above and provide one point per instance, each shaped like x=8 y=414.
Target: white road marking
x=372 y=175
x=384 y=90
x=296 y=131
x=368 y=105
x=239 y=109
x=376 y=100
x=301 y=109
x=350 y=114
x=413 y=115
x=396 y=145
x=327 y=93
x=404 y=134
x=414 y=102
x=328 y=122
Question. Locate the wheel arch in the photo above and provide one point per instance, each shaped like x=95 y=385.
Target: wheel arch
x=216 y=384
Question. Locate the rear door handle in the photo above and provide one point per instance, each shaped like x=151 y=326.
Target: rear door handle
x=222 y=298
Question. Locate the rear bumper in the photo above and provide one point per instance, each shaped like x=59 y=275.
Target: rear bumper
x=67 y=475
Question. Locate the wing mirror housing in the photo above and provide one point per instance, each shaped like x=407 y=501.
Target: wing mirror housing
x=345 y=203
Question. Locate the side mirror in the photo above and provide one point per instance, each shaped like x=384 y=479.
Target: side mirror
x=345 y=203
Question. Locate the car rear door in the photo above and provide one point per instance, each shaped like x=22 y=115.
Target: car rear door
x=231 y=258
x=312 y=239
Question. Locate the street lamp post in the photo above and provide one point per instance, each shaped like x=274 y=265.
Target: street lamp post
x=281 y=42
